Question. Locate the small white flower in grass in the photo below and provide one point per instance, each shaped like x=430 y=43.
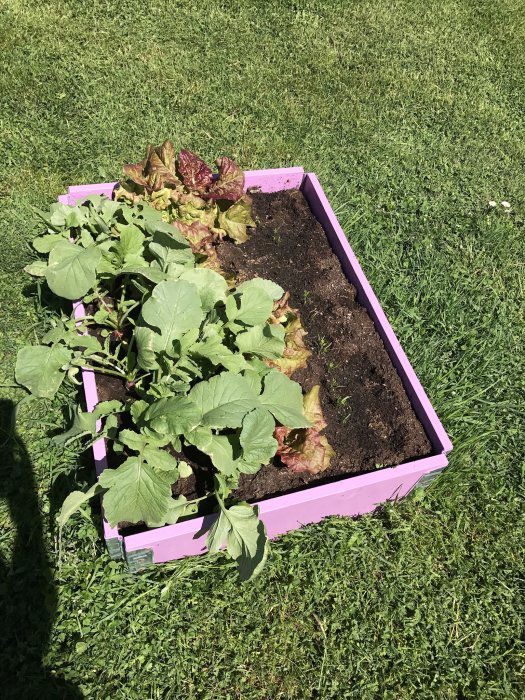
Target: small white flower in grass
x=492 y=203
x=505 y=205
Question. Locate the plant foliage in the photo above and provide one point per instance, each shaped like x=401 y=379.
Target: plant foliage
x=205 y=364
x=206 y=207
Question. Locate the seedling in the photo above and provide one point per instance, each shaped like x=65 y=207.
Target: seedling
x=333 y=383
x=346 y=418
x=323 y=344
x=341 y=400
x=276 y=236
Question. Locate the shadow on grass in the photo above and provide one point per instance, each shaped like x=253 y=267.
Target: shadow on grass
x=27 y=592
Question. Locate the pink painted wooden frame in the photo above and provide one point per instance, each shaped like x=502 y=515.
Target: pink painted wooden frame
x=348 y=497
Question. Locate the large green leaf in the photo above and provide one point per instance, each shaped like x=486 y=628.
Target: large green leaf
x=46 y=243
x=200 y=437
x=37 y=268
x=218 y=533
x=76 y=216
x=130 y=242
x=160 y=459
x=173 y=308
x=217 y=353
x=236 y=218
x=147 y=342
x=250 y=307
x=284 y=399
x=39 y=368
x=171 y=247
x=75 y=500
x=224 y=450
x=256 y=438
x=253 y=378
x=224 y=400
x=137 y=493
x=251 y=566
x=71 y=271
x=135 y=441
x=90 y=344
x=138 y=441
x=153 y=274
x=212 y=286
x=56 y=216
x=183 y=345
x=107 y=208
x=180 y=507
x=173 y=271
x=245 y=538
x=262 y=341
x=175 y=416
x=272 y=289
x=138 y=409
x=156 y=226
x=84 y=423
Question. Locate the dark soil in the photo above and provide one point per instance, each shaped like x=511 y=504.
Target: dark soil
x=371 y=423
x=370 y=420
x=109 y=388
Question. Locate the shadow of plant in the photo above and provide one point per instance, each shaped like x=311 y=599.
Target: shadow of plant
x=27 y=592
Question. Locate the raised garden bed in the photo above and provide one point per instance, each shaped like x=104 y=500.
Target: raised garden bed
x=366 y=382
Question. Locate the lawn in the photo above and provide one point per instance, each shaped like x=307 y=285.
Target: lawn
x=412 y=115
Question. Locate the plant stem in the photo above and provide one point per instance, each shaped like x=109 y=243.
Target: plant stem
x=103 y=370
x=128 y=353
x=126 y=314
x=107 y=363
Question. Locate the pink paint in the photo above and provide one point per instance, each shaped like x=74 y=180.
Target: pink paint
x=320 y=206
x=99 y=447
x=350 y=496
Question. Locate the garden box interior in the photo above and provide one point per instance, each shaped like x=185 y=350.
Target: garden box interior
x=348 y=496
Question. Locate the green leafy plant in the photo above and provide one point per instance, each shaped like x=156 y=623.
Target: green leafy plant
x=296 y=354
x=204 y=364
x=204 y=207
x=323 y=344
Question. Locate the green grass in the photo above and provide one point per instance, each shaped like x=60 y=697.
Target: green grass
x=411 y=113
